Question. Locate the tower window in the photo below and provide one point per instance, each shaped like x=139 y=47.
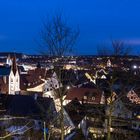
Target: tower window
x=11 y=79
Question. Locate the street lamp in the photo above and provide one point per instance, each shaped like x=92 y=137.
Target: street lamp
x=68 y=87
x=135 y=67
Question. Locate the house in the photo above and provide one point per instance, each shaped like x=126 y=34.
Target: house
x=24 y=110
x=34 y=80
x=51 y=83
x=85 y=117
x=85 y=95
x=74 y=114
x=125 y=114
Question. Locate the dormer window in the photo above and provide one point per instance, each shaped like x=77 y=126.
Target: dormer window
x=85 y=97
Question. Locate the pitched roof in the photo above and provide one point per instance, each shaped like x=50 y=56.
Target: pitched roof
x=20 y=105
x=4 y=71
x=29 y=81
x=76 y=111
x=80 y=93
x=25 y=106
x=3 y=85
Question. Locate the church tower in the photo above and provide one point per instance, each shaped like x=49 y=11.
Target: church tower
x=14 y=78
x=109 y=63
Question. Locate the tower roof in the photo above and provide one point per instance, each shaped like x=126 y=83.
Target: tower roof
x=14 y=65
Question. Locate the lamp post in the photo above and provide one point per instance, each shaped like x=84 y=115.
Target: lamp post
x=44 y=130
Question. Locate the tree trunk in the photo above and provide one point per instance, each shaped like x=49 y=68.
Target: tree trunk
x=62 y=118
x=109 y=125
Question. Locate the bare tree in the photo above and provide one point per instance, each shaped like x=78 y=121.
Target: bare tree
x=58 y=39
x=103 y=50
x=118 y=48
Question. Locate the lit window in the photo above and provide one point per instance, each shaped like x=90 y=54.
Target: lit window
x=85 y=97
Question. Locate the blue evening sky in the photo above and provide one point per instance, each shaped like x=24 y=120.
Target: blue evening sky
x=98 y=20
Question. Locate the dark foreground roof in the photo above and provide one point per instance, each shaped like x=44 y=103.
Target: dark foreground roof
x=25 y=106
x=5 y=71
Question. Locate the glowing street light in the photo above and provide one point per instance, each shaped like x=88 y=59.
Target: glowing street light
x=135 y=67
x=68 y=87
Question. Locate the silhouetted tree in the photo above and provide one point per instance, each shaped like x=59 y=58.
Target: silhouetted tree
x=58 y=39
x=103 y=50
x=118 y=48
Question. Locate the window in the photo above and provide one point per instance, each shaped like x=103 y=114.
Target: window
x=131 y=97
x=134 y=125
x=85 y=97
x=93 y=98
x=11 y=79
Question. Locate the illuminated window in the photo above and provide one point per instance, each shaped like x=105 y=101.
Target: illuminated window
x=85 y=97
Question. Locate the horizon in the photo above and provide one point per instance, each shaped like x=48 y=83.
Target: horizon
x=94 y=55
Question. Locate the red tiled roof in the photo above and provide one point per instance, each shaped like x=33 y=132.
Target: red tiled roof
x=79 y=93
x=3 y=85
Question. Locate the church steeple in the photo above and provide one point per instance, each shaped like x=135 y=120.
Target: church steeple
x=14 y=65
x=14 y=78
x=109 y=63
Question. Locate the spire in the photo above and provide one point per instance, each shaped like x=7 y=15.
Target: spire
x=14 y=64
x=109 y=63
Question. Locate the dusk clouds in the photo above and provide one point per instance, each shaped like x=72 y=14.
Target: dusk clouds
x=135 y=42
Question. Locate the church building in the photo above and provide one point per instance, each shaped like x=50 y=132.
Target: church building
x=9 y=77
